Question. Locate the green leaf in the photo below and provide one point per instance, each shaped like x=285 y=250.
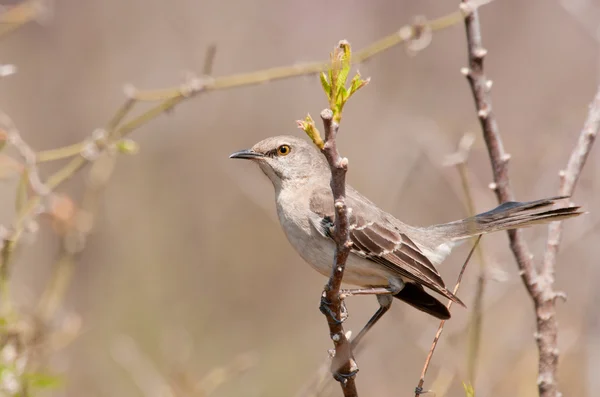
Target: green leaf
x=357 y=83
x=341 y=95
x=469 y=390
x=325 y=84
x=343 y=56
x=308 y=126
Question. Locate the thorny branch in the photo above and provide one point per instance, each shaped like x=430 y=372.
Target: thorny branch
x=343 y=365
x=539 y=285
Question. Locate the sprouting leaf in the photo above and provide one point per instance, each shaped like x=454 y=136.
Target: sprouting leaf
x=343 y=56
x=325 y=84
x=357 y=83
x=308 y=126
x=469 y=390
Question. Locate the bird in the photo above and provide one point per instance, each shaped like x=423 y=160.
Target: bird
x=388 y=256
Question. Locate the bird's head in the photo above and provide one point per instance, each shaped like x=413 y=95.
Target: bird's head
x=286 y=160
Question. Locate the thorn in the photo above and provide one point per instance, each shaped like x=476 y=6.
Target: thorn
x=483 y=113
x=493 y=186
x=560 y=295
x=505 y=157
x=336 y=337
x=488 y=85
x=465 y=71
x=339 y=204
x=344 y=162
x=480 y=52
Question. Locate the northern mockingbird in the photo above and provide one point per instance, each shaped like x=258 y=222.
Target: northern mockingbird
x=387 y=255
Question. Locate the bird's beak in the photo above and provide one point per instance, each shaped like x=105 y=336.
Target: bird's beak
x=246 y=154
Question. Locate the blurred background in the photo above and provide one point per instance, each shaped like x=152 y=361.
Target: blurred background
x=186 y=280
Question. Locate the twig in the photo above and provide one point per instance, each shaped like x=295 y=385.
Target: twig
x=459 y=159
x=343 y=365
x=405 y=34
x=171 y=97
x=570 y=175
x=419 y=388
x=539 y=286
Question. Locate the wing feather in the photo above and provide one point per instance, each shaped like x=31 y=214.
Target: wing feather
x=374 y=237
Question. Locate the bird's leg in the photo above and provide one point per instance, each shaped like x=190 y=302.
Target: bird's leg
x=385 y=302
x=368 y=291
x=394 y=286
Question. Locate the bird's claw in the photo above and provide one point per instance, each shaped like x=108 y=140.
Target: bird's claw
x=340 y=377
x=325 y=308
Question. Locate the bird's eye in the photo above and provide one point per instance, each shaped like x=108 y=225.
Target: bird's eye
x=283 y=150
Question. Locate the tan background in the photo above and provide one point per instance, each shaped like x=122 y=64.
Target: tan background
x=187 y=261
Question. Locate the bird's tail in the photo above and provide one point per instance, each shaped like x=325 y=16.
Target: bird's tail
x=509 y=215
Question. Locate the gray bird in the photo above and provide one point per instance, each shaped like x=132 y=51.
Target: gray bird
x=386 y=255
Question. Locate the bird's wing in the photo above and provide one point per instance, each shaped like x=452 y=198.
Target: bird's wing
x=375 y=238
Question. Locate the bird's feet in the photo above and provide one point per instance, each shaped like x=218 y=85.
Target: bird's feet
x=325 y=308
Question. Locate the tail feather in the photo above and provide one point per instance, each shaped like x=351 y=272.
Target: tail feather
x=416 y=296
x=509 y=215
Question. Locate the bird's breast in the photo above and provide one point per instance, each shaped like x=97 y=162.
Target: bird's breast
x=318 y=251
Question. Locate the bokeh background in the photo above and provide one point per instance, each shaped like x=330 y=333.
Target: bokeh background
x=186 y=270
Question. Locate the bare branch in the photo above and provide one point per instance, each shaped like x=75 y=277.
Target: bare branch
x=569 y=176
x=419 y=388
x=343 y=365
x=539 y=286
x=460 y=159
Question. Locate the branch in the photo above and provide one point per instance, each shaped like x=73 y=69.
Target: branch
x=170 y=97
x=459 y=159
x=419 y=388
x=343 y=365
x=406 y=34
x=569 y=177
x=539 y=286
